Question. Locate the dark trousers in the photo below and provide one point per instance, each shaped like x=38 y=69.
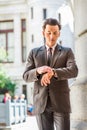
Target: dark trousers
x=50 y=119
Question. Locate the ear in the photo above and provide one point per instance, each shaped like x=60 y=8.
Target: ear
x=43 y=33
x=59 y=34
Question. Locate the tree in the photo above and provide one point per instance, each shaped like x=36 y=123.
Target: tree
x=6 y=83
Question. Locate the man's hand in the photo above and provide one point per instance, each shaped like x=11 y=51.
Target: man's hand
x=44 y=69
x=46 y=78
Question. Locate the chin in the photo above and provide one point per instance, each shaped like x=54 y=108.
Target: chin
x=50 y=44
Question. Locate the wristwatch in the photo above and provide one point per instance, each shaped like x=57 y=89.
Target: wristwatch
x=55 y=74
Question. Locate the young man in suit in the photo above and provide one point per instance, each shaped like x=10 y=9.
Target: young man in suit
x=50 y=71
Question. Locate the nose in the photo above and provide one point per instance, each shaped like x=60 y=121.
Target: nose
x=51 y=36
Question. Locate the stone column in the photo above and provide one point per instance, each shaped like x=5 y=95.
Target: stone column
x=17 y=38
x=79 y=87
x=28 y=40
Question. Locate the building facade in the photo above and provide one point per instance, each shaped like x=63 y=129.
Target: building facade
x=21 y=29
x=79 y=88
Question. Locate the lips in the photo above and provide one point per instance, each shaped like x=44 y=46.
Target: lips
x=52 y=40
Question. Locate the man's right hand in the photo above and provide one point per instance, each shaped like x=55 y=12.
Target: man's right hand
x=44 y=69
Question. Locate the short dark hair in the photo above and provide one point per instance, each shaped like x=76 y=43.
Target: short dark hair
x=51 y=21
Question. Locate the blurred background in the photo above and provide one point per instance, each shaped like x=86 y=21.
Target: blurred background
x=21 y=30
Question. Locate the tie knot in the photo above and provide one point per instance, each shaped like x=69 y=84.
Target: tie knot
x=50 y=50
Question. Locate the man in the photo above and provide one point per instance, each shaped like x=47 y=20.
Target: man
x=51 y=91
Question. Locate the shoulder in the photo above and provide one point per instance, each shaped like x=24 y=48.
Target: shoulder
x=36 y=50
x=63 y=48
x=66 y=50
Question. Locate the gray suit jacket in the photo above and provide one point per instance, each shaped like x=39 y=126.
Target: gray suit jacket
x=64 y=64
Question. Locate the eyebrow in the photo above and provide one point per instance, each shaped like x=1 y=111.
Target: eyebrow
x=53 y=32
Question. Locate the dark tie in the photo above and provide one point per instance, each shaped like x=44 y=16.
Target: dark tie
x=49 y=56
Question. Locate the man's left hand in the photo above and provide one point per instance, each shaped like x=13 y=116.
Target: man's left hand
x=46 y=78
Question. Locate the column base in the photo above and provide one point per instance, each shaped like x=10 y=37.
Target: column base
x=78 y=97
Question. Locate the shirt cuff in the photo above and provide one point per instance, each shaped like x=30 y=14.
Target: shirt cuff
x=55 y=74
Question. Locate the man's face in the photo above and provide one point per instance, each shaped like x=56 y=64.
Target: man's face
x=51 y=34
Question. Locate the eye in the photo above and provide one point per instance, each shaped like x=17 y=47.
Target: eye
x=48 y=33
x=55 y=33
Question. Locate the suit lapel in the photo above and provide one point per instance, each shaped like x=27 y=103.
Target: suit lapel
x=43 y=55
x=56 y=55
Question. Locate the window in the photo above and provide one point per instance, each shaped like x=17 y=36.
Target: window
x=32 y=38
x=23 y=40
x=44 y=13
x=32 y=15
x=59 y=17
x=6 y=41
x=24 y=90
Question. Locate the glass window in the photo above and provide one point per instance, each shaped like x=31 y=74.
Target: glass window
x=2 y=47
x=32 y=38
x=10 y=46
x=3 y=40
x=6 y=25
x=23 y=40
x=6 y=41
x=59 y=17
x=44 y=13
x=32 y=14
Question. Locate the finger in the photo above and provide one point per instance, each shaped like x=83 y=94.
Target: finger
x=47 y=81
x=43 y=82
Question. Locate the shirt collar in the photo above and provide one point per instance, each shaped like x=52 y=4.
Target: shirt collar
x=53 y=47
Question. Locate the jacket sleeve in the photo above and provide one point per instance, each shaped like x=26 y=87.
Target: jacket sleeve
x=70 y=70
x=30 y=74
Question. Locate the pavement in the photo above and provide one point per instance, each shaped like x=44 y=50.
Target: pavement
x=78 y=125
x=31 y=124
x=75 y=124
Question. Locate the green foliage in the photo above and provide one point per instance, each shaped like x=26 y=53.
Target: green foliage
x=6 y=84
